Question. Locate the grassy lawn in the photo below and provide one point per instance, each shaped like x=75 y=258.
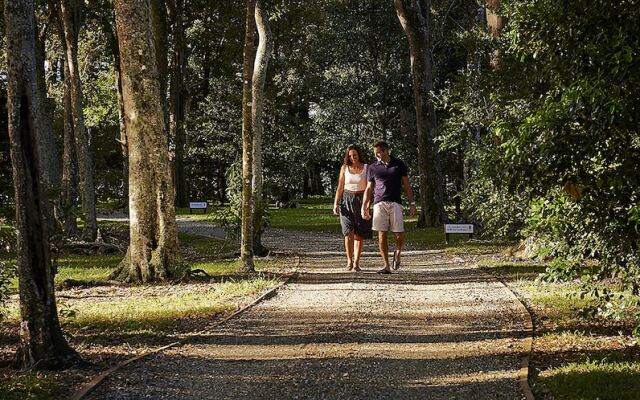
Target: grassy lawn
x=316 y=215
x=575 y=356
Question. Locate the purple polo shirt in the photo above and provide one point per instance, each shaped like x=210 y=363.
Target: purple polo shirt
x=388 y=180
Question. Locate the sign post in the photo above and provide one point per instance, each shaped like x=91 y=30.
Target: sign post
x=465 y=229
x=198 y=205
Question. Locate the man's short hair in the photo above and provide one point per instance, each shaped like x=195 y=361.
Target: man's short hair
x=381 y=144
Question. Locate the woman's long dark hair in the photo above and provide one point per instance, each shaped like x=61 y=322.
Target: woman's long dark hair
x=346 y=160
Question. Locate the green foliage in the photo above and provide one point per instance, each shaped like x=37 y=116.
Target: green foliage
x=228 y=217
x=7 y=273
x=559 y=114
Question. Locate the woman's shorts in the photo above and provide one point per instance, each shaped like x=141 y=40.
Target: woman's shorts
x=387 y=215
x=351 y=217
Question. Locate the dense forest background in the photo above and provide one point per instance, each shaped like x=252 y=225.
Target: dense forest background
x=537 y=118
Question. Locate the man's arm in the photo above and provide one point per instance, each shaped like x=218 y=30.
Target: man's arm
x=366 y=201
x=409 y=191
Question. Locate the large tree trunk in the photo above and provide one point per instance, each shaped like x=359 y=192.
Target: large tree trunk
x=70 y=11
x=261 y=64
x=414 y=18
x=178 y=101
x=42 y=344
x=246 y=230
x=153 y=247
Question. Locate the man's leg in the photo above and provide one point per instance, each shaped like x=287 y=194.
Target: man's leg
x=348 y=246
x=382 y=244
x=399 y=244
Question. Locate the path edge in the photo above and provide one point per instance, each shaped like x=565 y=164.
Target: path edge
x=98 y=379
x=523 y=373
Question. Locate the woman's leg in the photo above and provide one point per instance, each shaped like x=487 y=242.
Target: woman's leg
x=348 y=246
x=357 y=251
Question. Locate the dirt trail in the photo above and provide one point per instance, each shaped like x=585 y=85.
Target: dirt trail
x=437 y=329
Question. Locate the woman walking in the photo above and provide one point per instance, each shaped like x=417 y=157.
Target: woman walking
x=348 y=204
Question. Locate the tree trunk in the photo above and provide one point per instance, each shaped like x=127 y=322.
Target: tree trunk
x=160 y=28
x=42 y=344
x=261 y=64
x=49 y=150
x=414 y=18
x=246 y=230
x=70 y=17
x=495 y=23
x=69 y=164
x=177 y=102
x=108 y=27
x=153 y=245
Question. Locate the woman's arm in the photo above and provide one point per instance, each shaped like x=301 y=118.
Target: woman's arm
x=339 y=191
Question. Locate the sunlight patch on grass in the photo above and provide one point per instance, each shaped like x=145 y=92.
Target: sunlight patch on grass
x=156 y=313
x=594 y=379
x=93 y=267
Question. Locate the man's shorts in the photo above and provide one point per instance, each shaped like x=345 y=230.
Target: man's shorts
x=387 y=215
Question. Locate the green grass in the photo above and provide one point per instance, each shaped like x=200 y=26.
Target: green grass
x=29 y=385
x=206 y=246
x=594 y=379
x=316 y=215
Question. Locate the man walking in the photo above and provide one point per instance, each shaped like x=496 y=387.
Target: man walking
x=386 y=178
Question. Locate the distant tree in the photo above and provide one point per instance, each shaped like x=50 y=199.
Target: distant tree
x=265 y=46
x=495 y=23
x=70 y=12
x=414 y=15
x=246 y=233
x=178 y=97
x=153 y=252
x=42 y=344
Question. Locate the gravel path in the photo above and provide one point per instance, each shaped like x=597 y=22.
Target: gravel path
x=437 y=329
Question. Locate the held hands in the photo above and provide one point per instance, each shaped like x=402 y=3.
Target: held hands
x=365 y=213
x=412 y=210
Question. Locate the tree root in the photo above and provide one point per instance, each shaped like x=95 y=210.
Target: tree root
x=89 y=248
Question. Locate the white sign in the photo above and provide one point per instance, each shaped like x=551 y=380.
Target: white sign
x=458 y=228
x=198 y=204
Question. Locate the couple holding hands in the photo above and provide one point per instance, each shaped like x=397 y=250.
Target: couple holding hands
x=358 y=185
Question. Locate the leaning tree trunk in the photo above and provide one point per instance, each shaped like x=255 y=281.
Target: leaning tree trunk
x=70 y=17
x=42 y=344
x=261 y=64
x=414 y=18
x=246 y=230
x=178 y=102
x=153 y=245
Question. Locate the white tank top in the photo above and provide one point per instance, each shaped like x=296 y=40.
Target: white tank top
x=355 y=182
